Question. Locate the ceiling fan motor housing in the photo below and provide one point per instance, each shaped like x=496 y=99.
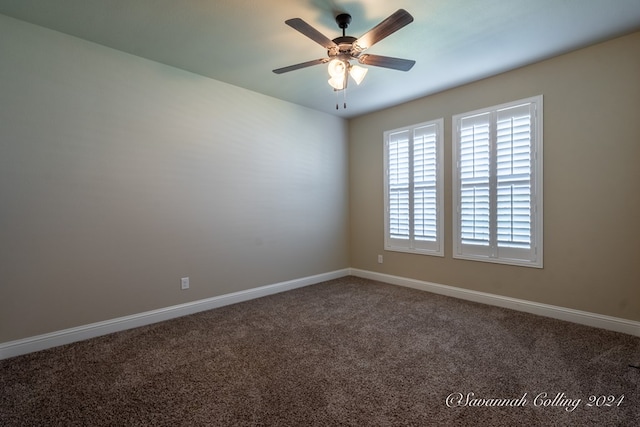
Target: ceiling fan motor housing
x=344 y=43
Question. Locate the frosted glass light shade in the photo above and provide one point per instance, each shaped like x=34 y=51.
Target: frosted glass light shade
x=337 y=68
x=358 y=73
x=337 y=82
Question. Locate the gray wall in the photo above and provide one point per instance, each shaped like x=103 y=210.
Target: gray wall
x=119 y=175
x=591 y=183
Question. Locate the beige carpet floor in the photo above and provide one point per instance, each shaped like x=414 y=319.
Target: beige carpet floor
x=350 y=352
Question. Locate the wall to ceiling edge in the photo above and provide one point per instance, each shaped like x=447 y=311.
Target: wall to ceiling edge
x=119 y=176
x=591 y=183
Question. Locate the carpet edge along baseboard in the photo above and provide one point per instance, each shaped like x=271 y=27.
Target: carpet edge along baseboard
x=67 y=336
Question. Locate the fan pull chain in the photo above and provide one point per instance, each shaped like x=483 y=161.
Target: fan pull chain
x=344 y=101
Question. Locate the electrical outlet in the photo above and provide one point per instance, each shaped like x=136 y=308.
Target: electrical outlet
x=380 y=259
x=184 y=283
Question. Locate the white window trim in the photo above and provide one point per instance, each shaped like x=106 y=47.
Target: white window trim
x=396 y=245
x=536 y=190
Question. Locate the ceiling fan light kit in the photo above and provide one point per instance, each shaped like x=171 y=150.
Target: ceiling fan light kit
x=342 y=50
x=340 y=68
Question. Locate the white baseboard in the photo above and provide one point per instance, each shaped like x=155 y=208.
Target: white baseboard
x=576 y=316
x=67 y=336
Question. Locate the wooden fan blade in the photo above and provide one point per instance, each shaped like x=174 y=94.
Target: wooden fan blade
x=301 y=65
x=315 y=35
x=386 y=62
x=387 y=27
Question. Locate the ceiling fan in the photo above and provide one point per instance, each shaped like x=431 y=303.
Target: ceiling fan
x=342 y=50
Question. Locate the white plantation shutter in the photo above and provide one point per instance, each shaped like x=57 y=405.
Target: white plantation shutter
x=498 y=184
x=413 y=188
x=425 y=201
x=398 y=149
x=474 y=179
x=513 y=171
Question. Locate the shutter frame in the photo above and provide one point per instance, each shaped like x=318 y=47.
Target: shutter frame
x=425 y=189
x=515 y=217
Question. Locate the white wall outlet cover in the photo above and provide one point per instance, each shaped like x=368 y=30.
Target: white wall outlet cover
x=184 y=283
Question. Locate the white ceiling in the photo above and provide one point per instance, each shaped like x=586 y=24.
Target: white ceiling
x=241 y=41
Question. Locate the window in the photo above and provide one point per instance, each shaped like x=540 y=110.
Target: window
x=497 y=184
x=413 y=188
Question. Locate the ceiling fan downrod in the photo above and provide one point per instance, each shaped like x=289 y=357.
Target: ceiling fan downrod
x=343 y=20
